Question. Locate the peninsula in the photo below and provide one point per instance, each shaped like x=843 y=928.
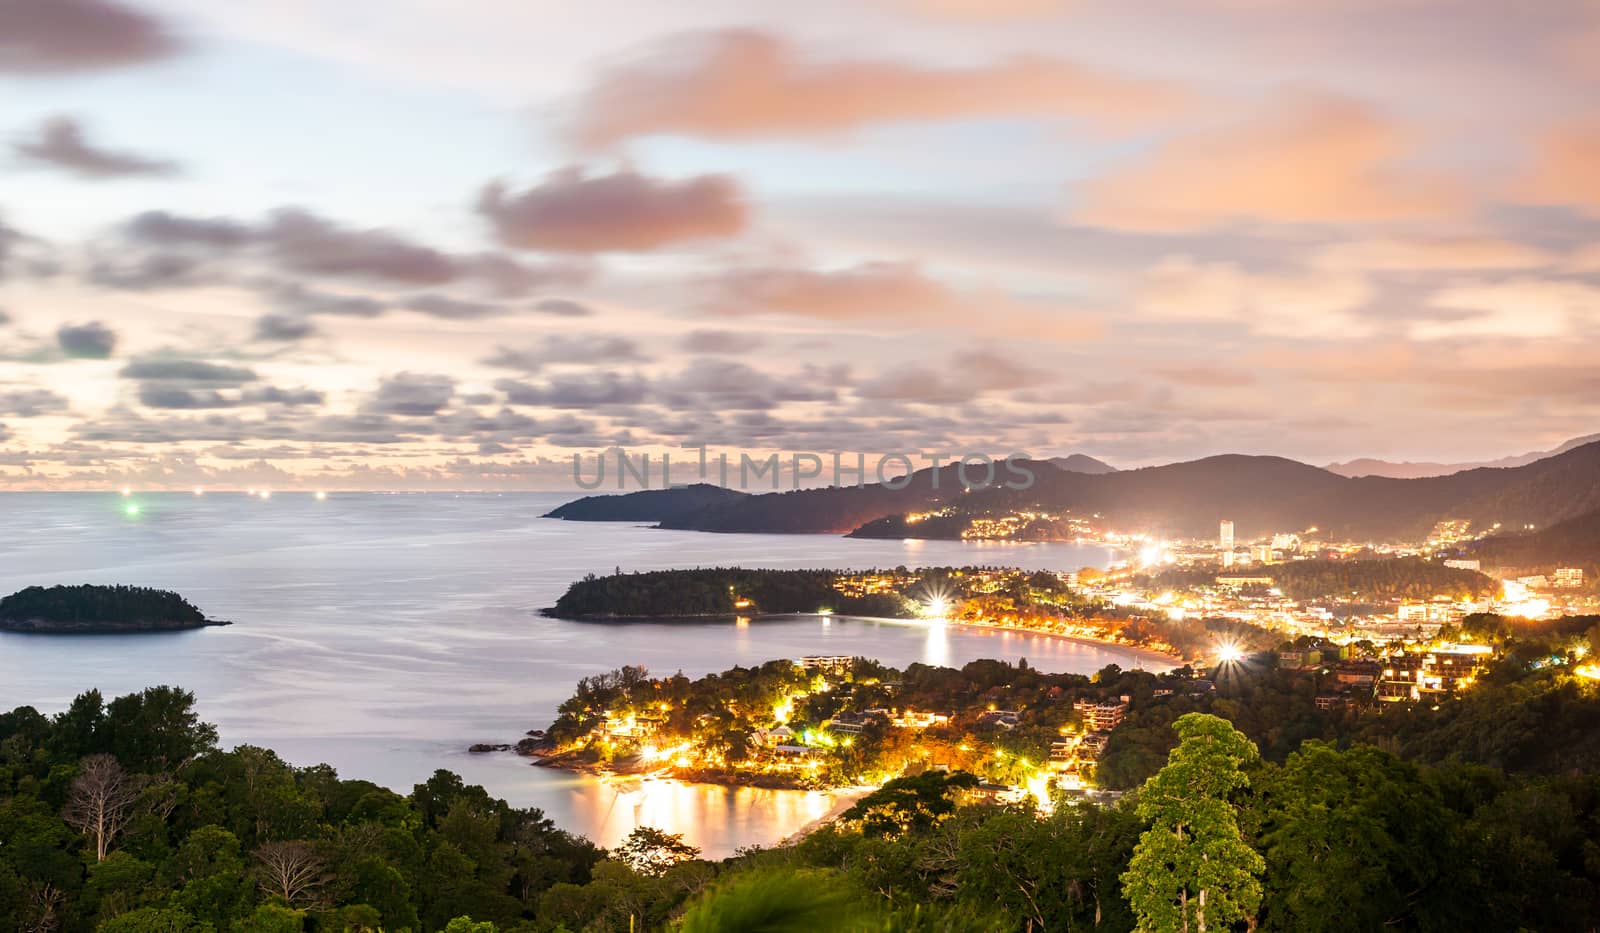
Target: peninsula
x=99 y=610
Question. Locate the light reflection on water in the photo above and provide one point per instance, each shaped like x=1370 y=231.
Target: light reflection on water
x=383 y=633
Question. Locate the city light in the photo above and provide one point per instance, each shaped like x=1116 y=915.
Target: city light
x=1229 y=652
x=322 y=496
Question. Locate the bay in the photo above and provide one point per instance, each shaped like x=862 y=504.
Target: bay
x=384 y=633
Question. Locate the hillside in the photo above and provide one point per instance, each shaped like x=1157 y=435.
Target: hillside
x=1261 y=495
x=648 y=505
x=1572 y=543
x=1082 y=463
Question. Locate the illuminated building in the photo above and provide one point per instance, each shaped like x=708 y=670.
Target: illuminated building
x=1225 y=536
x=1461 y=563
x=836 y=663
x=1567 y=578
x=1101 y=717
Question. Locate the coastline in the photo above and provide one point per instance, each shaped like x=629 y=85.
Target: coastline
x=1142 y=652
x=1175 y=660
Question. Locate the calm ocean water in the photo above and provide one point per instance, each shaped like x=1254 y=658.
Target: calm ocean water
x=382 y=634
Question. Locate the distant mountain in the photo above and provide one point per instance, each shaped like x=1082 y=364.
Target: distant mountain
x=1261 y=495
x=1368 y=466
x=647 y=505
x=1572 y=543
x=1081 y=463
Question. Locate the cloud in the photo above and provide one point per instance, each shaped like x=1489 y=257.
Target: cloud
x=92 y=341
x=1445 y=253
x=965 y=377
x=718 y=385
x=412 y=395
x=306 y=242
x=1309 y=305
x=1307 y=159
x=573 y=212
x=720 y=341
x=1207 y=377
x=61 y=144
x=451 y=309
x=577 y=349
x=742 y=84
x=563 y=307
x=287 y=328
x=157 y=270
x=30 y=403
x=1515 y=308
x=5 y=317
x=583 y=390
x=277 y=326
x=987 y=9
x=295 y=298
x=190 y=371
x=45 y=36
x=872 y=289
x=1566 y=168
x=301 y=242
x=166 y=229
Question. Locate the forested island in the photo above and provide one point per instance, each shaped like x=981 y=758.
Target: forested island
x=99 y=610
x=1025 y=600
x=1477 y=811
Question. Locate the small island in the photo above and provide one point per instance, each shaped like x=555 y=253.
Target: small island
x=99 y=610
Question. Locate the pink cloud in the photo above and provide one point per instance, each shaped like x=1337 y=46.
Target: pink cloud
x=1566 y=167
x=741 y=84
x=573 y=212
x=1306 y=159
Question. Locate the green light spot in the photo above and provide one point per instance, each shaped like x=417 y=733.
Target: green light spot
x=131 y=510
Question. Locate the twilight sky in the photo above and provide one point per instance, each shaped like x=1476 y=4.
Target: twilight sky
x=419 y=243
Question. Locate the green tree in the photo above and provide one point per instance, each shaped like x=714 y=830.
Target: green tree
x=910 y=804
x=155 y=920
x=1193 y=868
x=650 y=851
x=1353 y=840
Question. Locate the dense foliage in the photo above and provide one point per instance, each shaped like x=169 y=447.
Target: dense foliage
x=88 y=603
x=205 y=840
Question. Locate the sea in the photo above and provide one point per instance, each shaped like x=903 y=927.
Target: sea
x=385 y=633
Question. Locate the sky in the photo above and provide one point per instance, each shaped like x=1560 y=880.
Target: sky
x=428 y=244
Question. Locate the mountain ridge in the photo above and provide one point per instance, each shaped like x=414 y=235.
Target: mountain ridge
x=1261 y=495
x=1421 y=469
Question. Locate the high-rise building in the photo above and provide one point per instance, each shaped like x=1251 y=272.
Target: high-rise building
x=1565 y=577
x=1225 y=536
